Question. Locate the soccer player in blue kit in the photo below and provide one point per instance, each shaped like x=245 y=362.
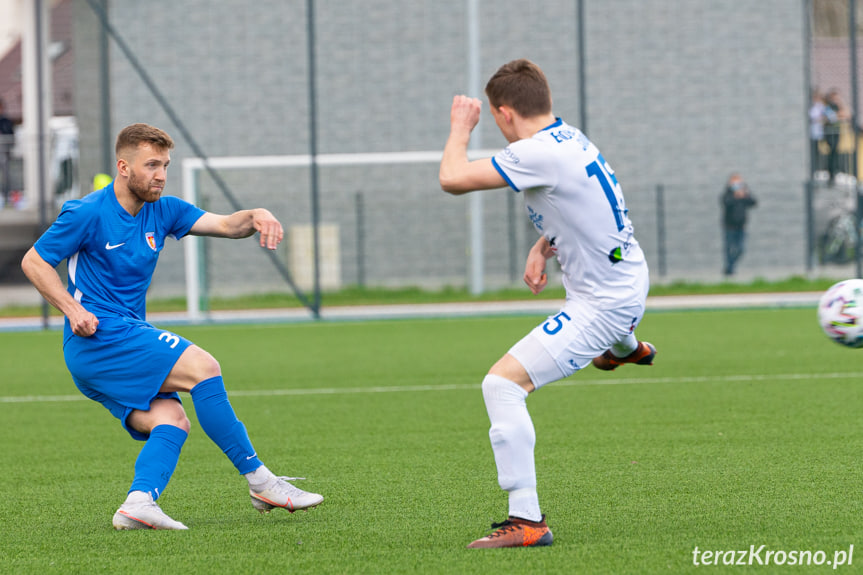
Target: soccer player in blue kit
x=111 y=240
x=576 y=204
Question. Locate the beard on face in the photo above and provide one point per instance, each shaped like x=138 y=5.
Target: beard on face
x=141 y=190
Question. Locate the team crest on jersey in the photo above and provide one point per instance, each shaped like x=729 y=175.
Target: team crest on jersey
x=151 y=240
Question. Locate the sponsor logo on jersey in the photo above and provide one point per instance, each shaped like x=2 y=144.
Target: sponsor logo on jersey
x=151 y=240
x=510 y=155
x=535 y=217
x=615 y=255
x=563 y=135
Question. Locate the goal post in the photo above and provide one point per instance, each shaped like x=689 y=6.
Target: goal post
x=195 y=273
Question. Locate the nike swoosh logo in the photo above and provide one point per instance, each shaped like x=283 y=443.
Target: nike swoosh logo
x=252 y=456
x=108 y=245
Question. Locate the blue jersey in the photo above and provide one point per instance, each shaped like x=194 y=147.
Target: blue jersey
x=111 y=254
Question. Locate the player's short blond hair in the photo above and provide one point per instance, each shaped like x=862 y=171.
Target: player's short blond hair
x=134 y=135
x=522 y=86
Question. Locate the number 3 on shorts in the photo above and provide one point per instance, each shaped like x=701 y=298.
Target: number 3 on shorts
x=170 y=338
x=555 y=324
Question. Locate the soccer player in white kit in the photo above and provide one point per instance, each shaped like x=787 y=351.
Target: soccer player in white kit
x=576 y=204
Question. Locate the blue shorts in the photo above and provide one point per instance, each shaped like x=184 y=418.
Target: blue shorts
x=124 y=364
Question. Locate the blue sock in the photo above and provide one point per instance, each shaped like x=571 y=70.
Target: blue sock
x=158 y=459
x=220 y=423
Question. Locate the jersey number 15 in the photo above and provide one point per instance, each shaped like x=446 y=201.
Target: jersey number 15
x=600 y=169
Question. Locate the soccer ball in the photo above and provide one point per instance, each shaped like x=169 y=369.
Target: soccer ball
x=840 y=313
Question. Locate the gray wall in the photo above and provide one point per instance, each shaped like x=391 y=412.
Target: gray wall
x=678 y=92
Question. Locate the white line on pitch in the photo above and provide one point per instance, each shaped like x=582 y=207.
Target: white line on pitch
x=473 y=386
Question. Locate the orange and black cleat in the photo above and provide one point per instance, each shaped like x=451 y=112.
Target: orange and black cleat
x=516 y=532
x=643 y=355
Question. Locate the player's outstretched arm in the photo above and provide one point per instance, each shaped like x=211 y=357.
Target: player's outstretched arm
x=241 y=224
x=45 y=278
x=457 y=174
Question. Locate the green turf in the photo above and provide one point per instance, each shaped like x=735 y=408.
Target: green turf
x=745 y=432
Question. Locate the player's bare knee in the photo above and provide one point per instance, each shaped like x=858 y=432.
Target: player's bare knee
x=180 y=422
x=163 y=411
x=184 y=424
x=198 y=366
x=171 y=412
x=208 y=366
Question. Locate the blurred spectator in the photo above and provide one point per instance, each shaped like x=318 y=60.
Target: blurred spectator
x=7 y=139
x=736 y=201
x=835 y=113
x=817 y=119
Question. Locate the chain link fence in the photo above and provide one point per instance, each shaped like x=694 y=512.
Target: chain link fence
x=677 y=95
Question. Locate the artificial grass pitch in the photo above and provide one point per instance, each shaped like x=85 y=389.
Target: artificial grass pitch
x=745 y=433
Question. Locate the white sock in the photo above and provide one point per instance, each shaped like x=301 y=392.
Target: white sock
x=260 y=477
x=138 y=497
x=512 y=440
x=524 y=503
x=625 y=346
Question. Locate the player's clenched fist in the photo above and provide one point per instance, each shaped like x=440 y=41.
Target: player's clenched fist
x=465 y=112
x=83 y=323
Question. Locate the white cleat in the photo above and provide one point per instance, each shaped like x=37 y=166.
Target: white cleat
x=139 y=511
x=280 y=493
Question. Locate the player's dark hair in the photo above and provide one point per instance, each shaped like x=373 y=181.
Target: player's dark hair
x=522 y=86
x=134 y=135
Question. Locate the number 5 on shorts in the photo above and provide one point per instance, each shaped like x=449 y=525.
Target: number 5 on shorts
x=552 y=328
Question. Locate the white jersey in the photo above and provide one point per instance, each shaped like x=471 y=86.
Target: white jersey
x=574 y=199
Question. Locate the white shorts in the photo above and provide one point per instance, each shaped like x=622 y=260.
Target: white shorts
x=568 y=340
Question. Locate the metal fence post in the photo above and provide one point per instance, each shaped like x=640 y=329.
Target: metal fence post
x=361 y=239
x=660 y=229
x=808 y=193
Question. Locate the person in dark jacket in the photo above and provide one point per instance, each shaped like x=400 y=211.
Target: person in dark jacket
x=736 y=201
x=7 y=139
